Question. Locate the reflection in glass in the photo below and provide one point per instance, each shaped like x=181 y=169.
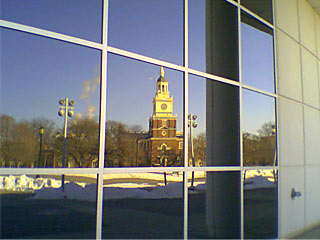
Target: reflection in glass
x=144 y=115
x=197 y=33
x=213 y=38
x=143 y=205
x=81 y=18
x=35 y=206
x=37 y=77
x=257 y=54
x=263 y=8
x=151 y=28
x=197 y=128
x=223 y=124
x=216 y=107
x=260 y=204
x=214 y=205
x=259 y=130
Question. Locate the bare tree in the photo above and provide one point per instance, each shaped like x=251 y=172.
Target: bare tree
x=83 y=142
x=259 y=150
x=121 y=144
x=6 y=139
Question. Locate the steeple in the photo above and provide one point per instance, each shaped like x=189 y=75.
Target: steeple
x=163 y=103
x=161 y=78
x=161 y=72
x=162 y=84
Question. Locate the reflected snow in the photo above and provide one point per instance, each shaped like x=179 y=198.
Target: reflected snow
x=122 y=186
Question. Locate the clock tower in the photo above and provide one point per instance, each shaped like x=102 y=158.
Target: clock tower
x=162 y=103
x=164 y=144
x=162 y=124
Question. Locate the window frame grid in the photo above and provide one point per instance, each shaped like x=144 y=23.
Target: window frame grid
x=105 y=50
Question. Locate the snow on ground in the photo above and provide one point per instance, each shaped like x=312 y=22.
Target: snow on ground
x=24 y=183
x=258 y=182
x=136 y=185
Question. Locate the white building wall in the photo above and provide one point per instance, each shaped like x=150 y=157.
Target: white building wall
x=298 y=76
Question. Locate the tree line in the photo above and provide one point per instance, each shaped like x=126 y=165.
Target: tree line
x=260 y=149
x=20 y=144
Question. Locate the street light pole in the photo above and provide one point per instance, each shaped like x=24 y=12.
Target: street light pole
x=162 y=155
x=65 y=110
x=192 y=124
x=41 y=131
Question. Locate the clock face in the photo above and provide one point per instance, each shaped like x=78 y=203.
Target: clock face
x=164 y=106
x=163 y=133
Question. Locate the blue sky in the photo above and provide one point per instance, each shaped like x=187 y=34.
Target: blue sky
x=132 y=87
x=149 y=27
x=36 y=72
x=80 y=18
x=257 y=58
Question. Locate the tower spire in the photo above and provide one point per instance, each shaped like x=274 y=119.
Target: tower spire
x=161 y=71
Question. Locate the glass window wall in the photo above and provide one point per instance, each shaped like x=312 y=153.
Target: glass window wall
x=81 y=18
x=50 y=93
x=121 y=138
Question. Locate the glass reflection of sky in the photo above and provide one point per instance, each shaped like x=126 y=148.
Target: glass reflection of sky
x=197 y=102
x=257 y=49
x=36 y=72
x=152 y=28
x=80 y=18
x=257 y=58
x=132 y=87
x=258 y=109
x=197 y=20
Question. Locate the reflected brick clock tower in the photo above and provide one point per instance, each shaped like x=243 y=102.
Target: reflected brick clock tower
x=163 y=145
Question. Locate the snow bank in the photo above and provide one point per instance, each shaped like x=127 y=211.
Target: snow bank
x=172 y=190
x=258 y=182
x=88 y=193
x=71 y=191
x=48 y=188
x=24 y=183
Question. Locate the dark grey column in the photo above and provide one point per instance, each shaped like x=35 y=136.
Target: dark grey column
x=222 y=120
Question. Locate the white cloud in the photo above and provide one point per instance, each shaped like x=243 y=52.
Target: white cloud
x=91 y=110
x=89 y=87
x=78 y=115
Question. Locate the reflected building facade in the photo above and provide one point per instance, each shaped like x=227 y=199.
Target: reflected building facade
x=163 y=145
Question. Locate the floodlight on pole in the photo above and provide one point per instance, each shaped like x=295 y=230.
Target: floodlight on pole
x=66 y=107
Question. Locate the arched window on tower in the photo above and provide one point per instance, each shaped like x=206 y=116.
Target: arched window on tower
x=163 y=146
x=162 y=88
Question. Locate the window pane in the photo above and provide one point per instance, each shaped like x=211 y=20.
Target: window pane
x=197 y=121
x=259 y=130
x=213 y=38
x=197 y=33
x=36 y=73
x=260 y=204
x=152 y=28
x=143 y=206
x=214 y=206
x=257 y=54
x=144 y=115
x=263 y=8
x=214 y=107
x=35 y=206
x=81 y=18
